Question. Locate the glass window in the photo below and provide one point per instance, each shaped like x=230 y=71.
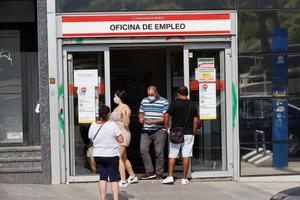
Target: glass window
x=256 y=143
x=255 y=75
x=18 y=73
x=294 y=75
x=257 y=114
x=10 y=87
x=26 y=11
x=209 y=146
x=269 y=4
x=132 y=5
x=86 y=95
x=255 y=30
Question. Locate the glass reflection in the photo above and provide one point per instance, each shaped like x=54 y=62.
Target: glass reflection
x=255 y=111
x=81 y=159
x=255 y=74
x=132 y=5
x=10 y=118
x=10 y=87
x=255 y=29
x=256 y=152
x=210 y=141
x=269 y=4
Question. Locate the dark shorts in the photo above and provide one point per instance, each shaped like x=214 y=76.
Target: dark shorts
x=108 y=168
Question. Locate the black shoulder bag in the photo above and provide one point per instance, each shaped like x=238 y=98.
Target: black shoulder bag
x=177 y=133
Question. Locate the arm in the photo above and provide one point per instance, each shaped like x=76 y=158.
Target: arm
x=195 y=124
x=120 y=138
x=161 y=120
x=90 y=133
x=158 y=121
x=141 y=113
x=126 y=117
x=117 y=133
x=141 y=118
x=166 y=120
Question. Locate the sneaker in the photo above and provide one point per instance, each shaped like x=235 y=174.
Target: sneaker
x=185 y=181
x=168 y=180
x=148 y=176
x=132 y=179
x=123 y=184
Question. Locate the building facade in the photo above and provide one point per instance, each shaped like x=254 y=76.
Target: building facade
x=25 y=140
x=238 y=58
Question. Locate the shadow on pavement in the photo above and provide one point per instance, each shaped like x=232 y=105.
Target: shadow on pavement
x=123 y=196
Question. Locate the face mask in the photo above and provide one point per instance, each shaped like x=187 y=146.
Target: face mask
x=151 y=98
x=116 y=100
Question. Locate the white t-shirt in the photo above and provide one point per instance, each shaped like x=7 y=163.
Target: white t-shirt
x=105 y=144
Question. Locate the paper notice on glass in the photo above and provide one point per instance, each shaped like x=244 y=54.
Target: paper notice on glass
x=86 y=78
x=207 y=101
x=206 y=62
x=86 y=104
x=206 y=74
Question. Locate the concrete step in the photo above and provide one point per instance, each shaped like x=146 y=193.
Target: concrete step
x=259 y=156
x=20 y=159
x=251 y=154
x=255 y=155
x=265 y=161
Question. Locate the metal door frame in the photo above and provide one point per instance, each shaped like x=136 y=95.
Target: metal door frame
x=70 y=49
x=65 y=168
x=226 y=47
x=65 y=160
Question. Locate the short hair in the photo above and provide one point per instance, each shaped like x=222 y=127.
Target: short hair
x=122 y=95
x=183 y=90
x=104 y=110
x=152 y=87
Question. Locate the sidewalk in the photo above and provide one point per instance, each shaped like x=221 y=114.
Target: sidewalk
x=152 y=190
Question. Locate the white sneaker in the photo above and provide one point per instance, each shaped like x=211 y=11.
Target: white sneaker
x=168 y=180
x=132 y=179
x=185 y=181
x=123 y=184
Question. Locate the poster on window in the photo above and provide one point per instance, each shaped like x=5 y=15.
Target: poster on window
x=86 y=104
x=87 y=77
x=206 y=74
x=206 y=62
x=207 y=101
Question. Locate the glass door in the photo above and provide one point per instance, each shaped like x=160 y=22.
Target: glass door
x=208 y=76
x=86 y=75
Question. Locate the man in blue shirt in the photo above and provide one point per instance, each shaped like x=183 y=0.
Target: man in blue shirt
x=151 y=115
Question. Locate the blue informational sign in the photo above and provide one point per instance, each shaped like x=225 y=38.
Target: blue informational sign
x=279 y=75
x=280 y=102
x=280 y=133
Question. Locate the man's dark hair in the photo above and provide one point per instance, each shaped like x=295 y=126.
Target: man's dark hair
x=122 y=95
x=104 y=110
x=183 y=90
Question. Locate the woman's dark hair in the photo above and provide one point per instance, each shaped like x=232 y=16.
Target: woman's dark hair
x=183 y=90
x=122 y=95
x=104 y=110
